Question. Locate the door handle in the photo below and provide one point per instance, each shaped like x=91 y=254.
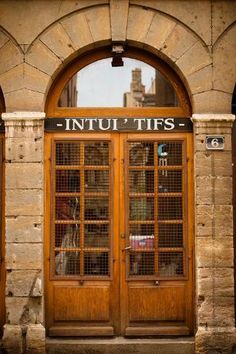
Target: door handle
x=127 y=248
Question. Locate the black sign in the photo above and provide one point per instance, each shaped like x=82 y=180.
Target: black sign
x=215 y=142
x=118 y=124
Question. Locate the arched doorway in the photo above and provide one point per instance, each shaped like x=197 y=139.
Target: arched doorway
x=118 y=237
x=2 y=239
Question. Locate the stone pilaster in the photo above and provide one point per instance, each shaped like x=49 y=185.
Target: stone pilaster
x=24 y=232
x=214 y=237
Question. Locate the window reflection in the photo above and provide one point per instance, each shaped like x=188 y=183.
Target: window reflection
x=136 y=84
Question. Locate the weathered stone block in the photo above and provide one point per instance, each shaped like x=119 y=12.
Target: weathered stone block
x=78 y=29
x=119 y=18
x=223 y=15
x=24 y=125
x=99 y=23
x=24 y=150
x=24 y=22
x=187 y=13
x=214 y=341
x=215 y=281
x=204 y=220
x=24 y=229
x=200 y=58
x=203 y=163
x=24 y=175
x=12 y=338
x=23 y=310
x=223 y=190
x=205 y=283
x=216 y=311
x=3 y=39
x=214 y=190
x=42 y=58
x=201 y=80
x=139 y=21
x=211 y=101
x=159 y=30
x=13 y=79
x=223 y=67
x=58 y=41
x=223 y=220
x=24 y=202
x=11 y=56
x=35 y=79
x=21 y=283
x=24 y=76
x=224 y=311
x=178 y=42
x=205 y=311
x=215 y=163
x=24 y=100
x=24 y=256
x=35 y=338
x=222 y=163
x=217 y=253
x=204 y=190
x=19 y=130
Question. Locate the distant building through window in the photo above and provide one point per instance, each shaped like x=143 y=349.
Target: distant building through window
x=136 y=84
x=159 y=93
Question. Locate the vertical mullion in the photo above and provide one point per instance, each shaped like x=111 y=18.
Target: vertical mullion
x=53 y=209
x=111 y=211
x=82 y=202
x=184 y=207
x=156 y=207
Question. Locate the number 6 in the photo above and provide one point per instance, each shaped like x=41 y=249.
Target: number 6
x=214 y=143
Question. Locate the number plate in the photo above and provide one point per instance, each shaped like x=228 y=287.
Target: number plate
x=215 y=142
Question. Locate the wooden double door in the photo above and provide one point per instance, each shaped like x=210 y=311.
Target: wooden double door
x=118 y=245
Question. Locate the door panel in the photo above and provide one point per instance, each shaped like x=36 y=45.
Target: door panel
x=82 y=260
x=157 y=248
x=119 y=228
x=92 y=304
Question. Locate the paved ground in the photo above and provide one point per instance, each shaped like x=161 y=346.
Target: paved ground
x=121 y=346
x=115 y=346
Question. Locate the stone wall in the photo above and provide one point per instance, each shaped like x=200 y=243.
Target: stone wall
x=24 y=232
x=214 y=245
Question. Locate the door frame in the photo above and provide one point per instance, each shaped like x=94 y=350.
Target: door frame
x=119 y=278
x=183 y=110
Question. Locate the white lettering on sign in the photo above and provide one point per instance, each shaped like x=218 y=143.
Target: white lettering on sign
x=111 y=124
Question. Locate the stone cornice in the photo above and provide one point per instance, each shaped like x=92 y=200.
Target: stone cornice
x=213 y=118
x=23 y=116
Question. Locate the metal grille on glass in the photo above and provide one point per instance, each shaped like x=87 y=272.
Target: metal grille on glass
x=155 y=241
x=81 y=242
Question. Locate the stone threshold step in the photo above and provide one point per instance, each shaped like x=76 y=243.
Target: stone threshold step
x=120 y=345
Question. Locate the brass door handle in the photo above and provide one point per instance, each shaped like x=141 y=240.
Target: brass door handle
x=127 y=248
